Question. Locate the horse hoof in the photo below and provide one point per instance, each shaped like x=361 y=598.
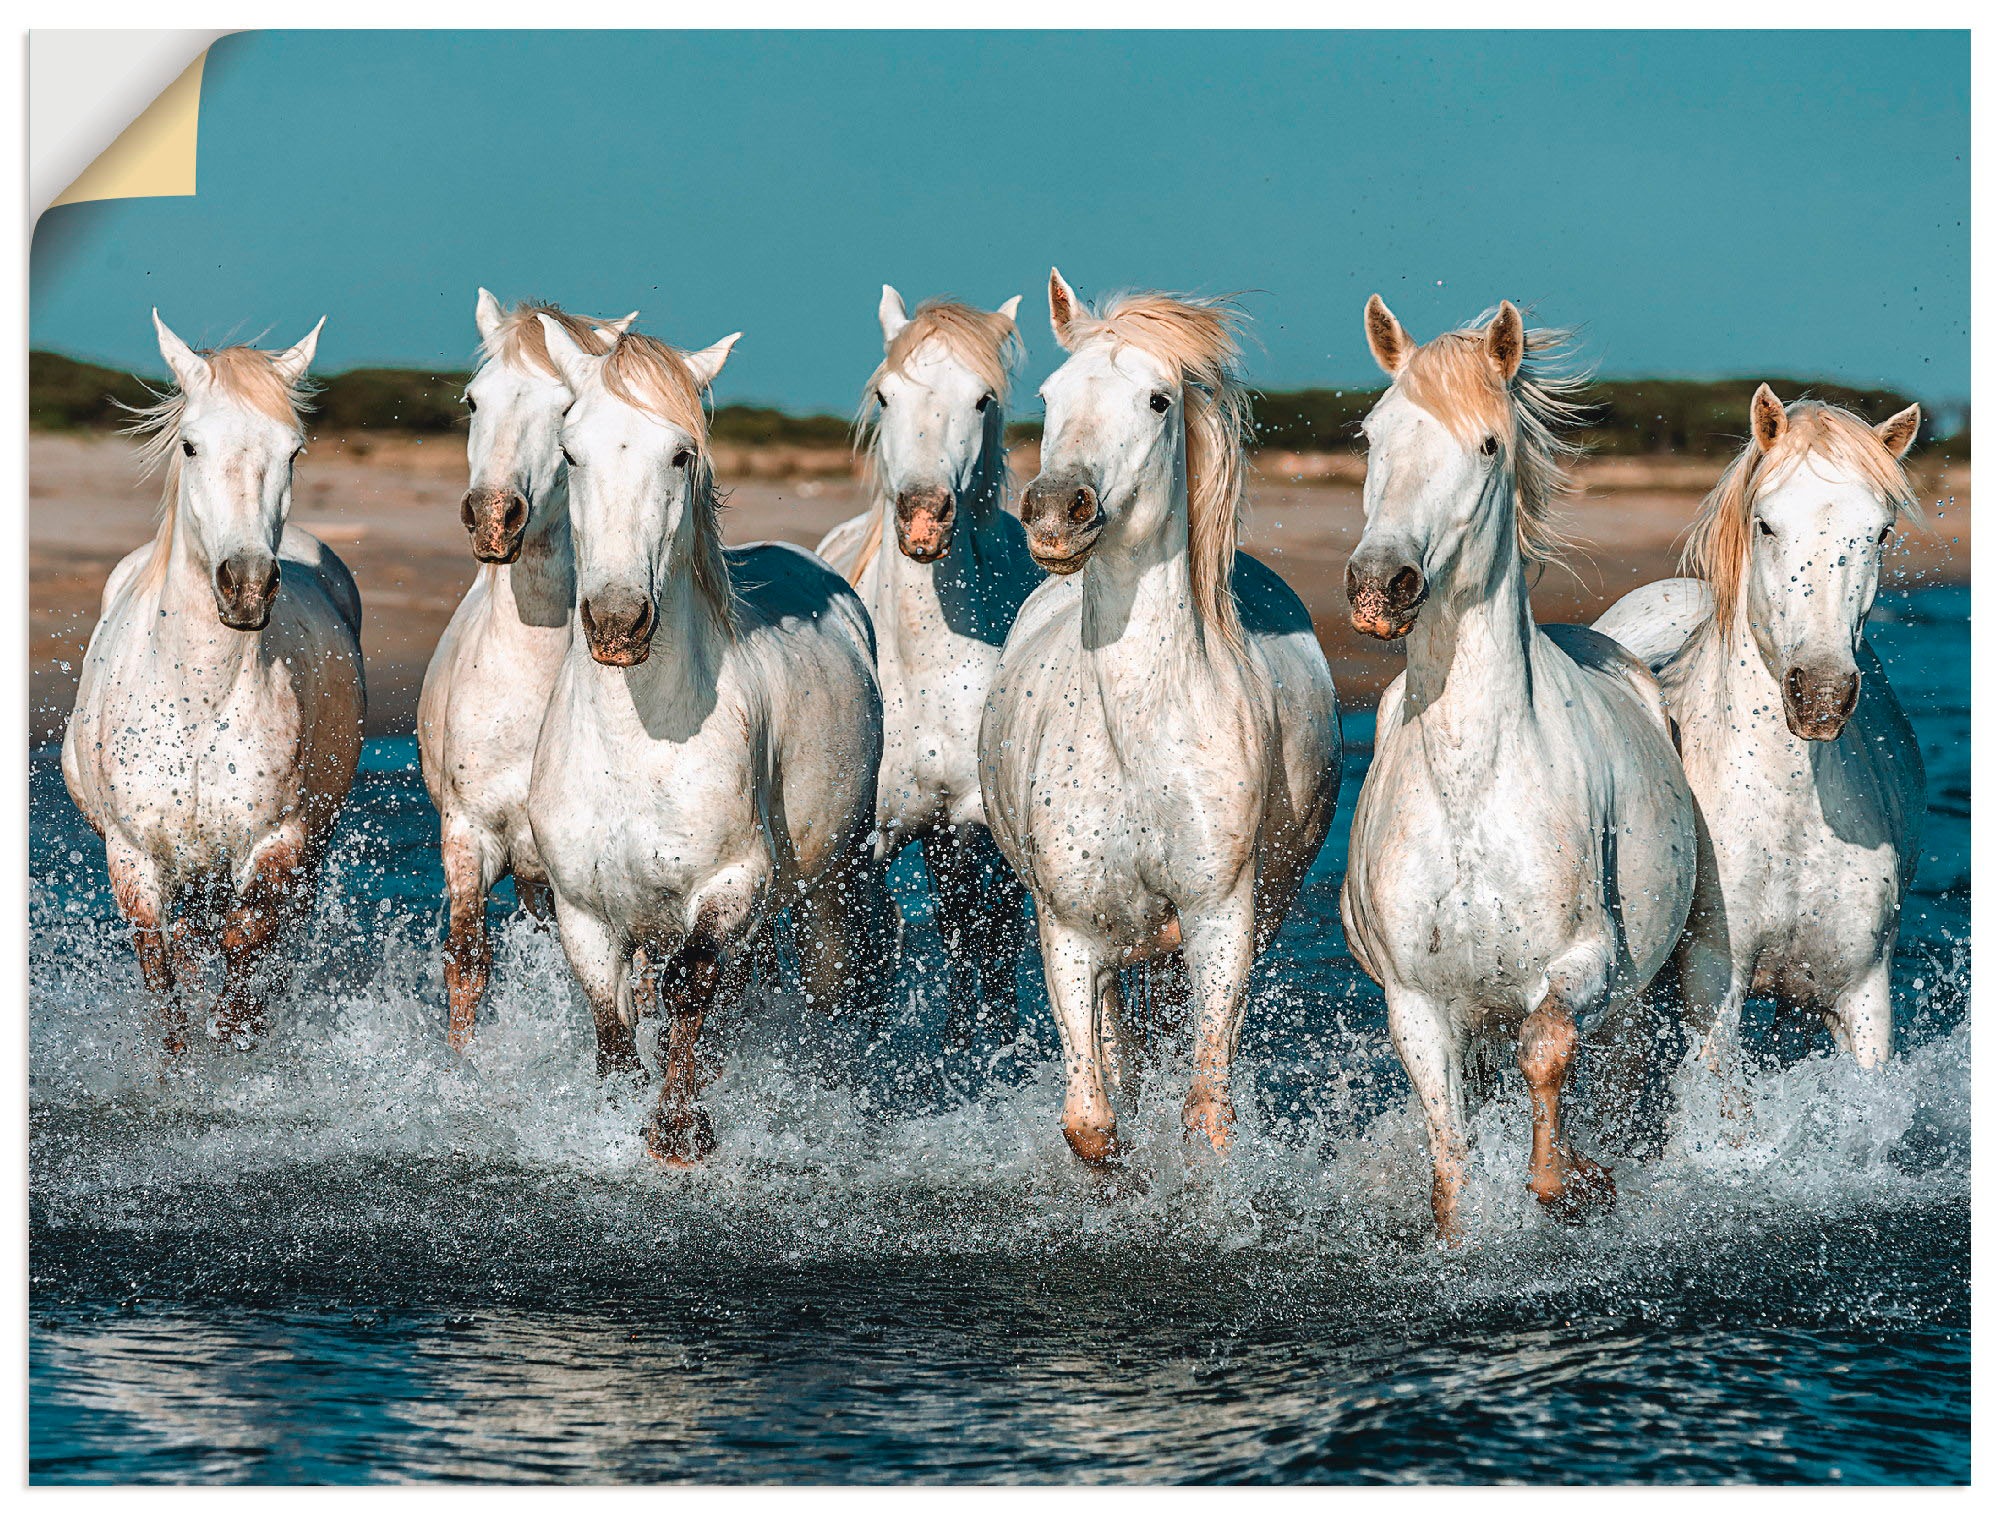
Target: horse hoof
x=1586 y=1188
x=1096 y=1146
x=1210 y=1123
x=680 y=1139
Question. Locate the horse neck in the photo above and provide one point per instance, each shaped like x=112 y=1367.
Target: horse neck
x=539 y=587
x=1143 y=640
x=180 y=590
x=1718 y=668
x=674 y=689
x=1470 y=654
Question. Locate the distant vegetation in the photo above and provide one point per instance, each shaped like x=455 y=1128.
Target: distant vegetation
x=1630 y=417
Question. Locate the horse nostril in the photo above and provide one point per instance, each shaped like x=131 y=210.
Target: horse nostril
x=515 y=518
x=1405 y=587
x=589 y=620
x=1083 y=506
x=1851 y=697
x=466 y=515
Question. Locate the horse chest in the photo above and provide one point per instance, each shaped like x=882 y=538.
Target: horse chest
x=1808 y=855
x=199 y=774
x=1466 y=884
x=932 y=698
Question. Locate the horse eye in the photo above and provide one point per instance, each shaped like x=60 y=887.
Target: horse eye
x=1883 y=540
x=567 y=458
x=470 y=403
x=683 y=458
x=1490 y=446
x=880 y=398
x=187 y=449
x=1160 y=402
x=984 y=401
x=1764 y=527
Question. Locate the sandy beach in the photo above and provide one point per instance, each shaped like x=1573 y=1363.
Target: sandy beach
x=389 y=507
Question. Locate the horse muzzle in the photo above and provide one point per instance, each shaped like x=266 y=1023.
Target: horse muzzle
x=1385 y=599
x=618 y=628
x=245 y=584
x=1064 y=518
x=1818 y=704
x=925 y=519
x=497 y=520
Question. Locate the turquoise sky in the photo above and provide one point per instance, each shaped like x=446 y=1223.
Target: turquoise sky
x=1702 y=203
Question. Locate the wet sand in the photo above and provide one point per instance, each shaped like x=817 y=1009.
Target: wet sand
x=390 y=509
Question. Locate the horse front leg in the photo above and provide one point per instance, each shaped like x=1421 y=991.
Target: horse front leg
x=1080 y=980
x=135 y=885
x=978 y=911
x=1862 y=1018
x=679 y=1133
x=471 y=868
x=1712 y=988
x=845 y=926
x=274 y=894
x=1431 y=1051
x=1218 y=949
x=1568 y=1185
x=602 y=963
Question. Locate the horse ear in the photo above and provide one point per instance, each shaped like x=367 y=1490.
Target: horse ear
x=1064 y=308
x=623 y=324
x=571 y=361
x=707 y=363
x=892 y=314
x=1506 y=340
x=1386 y=337
x=1767 y=418
x=295 y=360
x=487 y=314
x=189 y=368
x=1900 y=430
x=1009 y=308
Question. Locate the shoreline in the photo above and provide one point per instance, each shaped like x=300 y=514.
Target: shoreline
x=389 y=507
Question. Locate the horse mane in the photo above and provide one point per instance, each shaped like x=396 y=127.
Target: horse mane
x=1718 y=549
x=1195 y=337
x=1452 y=377
x=650 y=376
x=247 y=374
x=519 y=341
x=985 y=342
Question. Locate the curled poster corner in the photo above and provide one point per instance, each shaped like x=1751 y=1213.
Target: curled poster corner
x=100 y=120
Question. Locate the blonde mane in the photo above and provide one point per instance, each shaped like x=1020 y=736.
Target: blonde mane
x=1718 y=548
x=246 y=374
x=1195 y=338
x=520 y=343
x=1452 y=377
x=985 y=342
x=650 y=376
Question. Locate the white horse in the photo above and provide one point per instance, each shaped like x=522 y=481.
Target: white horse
x=709 y=751
x=1523 y=850
x=1161 y=751
x=218 y=716
x=942 y=604
x=489 y=680
x=1808 y=778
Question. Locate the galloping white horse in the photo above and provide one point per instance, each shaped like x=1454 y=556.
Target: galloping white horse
x=218 y=717
x=1523 y=850
x=942 y=604
x=1808 y=777
x=710 y=748
x=1161 y=751
x=489 y=680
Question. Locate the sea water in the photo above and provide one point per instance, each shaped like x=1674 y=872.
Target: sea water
x=350 y=1255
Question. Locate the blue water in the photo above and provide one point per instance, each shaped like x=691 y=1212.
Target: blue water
x=349 y=1256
